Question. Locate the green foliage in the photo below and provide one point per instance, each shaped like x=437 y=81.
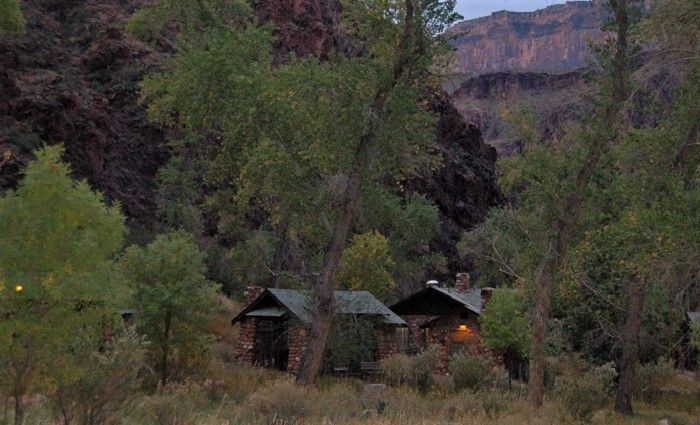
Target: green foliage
x=695 y=335
x=173 y=299
x=473 y=371
x=366 y=265
x=286 y=134
x=56 y=275
x=416 y=371
x=652 y=377
x=12 y=22
x=583 y=389
x=638 y=221
x=186 y=16
x=352 y=341
x=505 y=326
x=110 y=380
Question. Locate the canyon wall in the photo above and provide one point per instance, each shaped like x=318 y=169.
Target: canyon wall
x=553 y=39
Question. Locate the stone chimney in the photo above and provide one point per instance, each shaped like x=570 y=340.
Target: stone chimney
x=462 y=282
x=251 y=293
x=485 y=297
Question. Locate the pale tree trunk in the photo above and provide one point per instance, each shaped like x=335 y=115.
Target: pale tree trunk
x=630 y=345
x=322 y=314
x=571 y=211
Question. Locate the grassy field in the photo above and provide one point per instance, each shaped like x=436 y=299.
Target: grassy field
x=245 y=395
x=228 y=393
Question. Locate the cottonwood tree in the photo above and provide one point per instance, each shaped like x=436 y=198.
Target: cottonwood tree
x=172 y=297
x=604 y=130
x=56 y=276
x=552 y=179
x=303 y=140
x=505 y=326
x=366 y=265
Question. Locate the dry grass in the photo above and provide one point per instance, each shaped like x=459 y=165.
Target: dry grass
x=231 y=393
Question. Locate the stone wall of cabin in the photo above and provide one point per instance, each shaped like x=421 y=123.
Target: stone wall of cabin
x=439 y=333
x=415 y=332
x=298 y=336
x=246 y=340
x=386 y=342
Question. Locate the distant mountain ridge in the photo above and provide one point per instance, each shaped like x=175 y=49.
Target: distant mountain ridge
x=554 y=39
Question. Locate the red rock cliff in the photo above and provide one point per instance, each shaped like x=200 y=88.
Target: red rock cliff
x=553 y=39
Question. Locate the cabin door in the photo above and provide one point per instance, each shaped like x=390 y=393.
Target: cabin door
x=272 y=344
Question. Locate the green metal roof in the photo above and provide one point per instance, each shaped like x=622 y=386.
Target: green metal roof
x=298 y=303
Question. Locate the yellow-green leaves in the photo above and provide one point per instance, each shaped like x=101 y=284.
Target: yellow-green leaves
x=366 y=265
x=173 y=298
x=57 y=242
x=12 y=22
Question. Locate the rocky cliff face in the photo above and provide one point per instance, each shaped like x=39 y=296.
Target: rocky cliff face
x=73 y=79
x=553 y=39
x=552 y=99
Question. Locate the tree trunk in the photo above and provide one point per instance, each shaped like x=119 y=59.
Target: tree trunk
x=571 y=211
x=165 y=347
x=630 y=346
x=19 y=408
x=322 y=314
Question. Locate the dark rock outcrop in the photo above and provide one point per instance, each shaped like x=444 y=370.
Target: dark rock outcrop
x=73 y=79
x=464 y=188
x=552 y=99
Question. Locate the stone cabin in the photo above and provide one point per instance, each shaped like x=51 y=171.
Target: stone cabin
x=447 y=317
x=274 y=325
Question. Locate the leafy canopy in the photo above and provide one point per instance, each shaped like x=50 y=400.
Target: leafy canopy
x=284 y=134
x=56 y=273
x=173 y=298
x=505 y=326
x=366 y=265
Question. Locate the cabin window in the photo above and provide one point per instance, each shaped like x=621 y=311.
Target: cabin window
x=402 y=340
x=460 y=337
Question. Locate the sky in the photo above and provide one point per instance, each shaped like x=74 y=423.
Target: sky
x=475 y=8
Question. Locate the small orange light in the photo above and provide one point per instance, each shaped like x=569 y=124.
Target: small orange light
x=18 y=288
x=463 y=327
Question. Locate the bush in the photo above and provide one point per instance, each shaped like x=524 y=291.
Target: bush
x=400 y=369
x=652 y=377
x=281 y=400
x=173 y=404
x=583 y=389
x=397 y=369
x=472 y=371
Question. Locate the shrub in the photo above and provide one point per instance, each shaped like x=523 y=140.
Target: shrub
x=174 y=404
x=282 y=400
x=652 y=377
x=583 y=388
x=397 y=369
x=400 y=369
x=338 y=403
x=109 y=380
x=472 y=371
x=424 y=365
